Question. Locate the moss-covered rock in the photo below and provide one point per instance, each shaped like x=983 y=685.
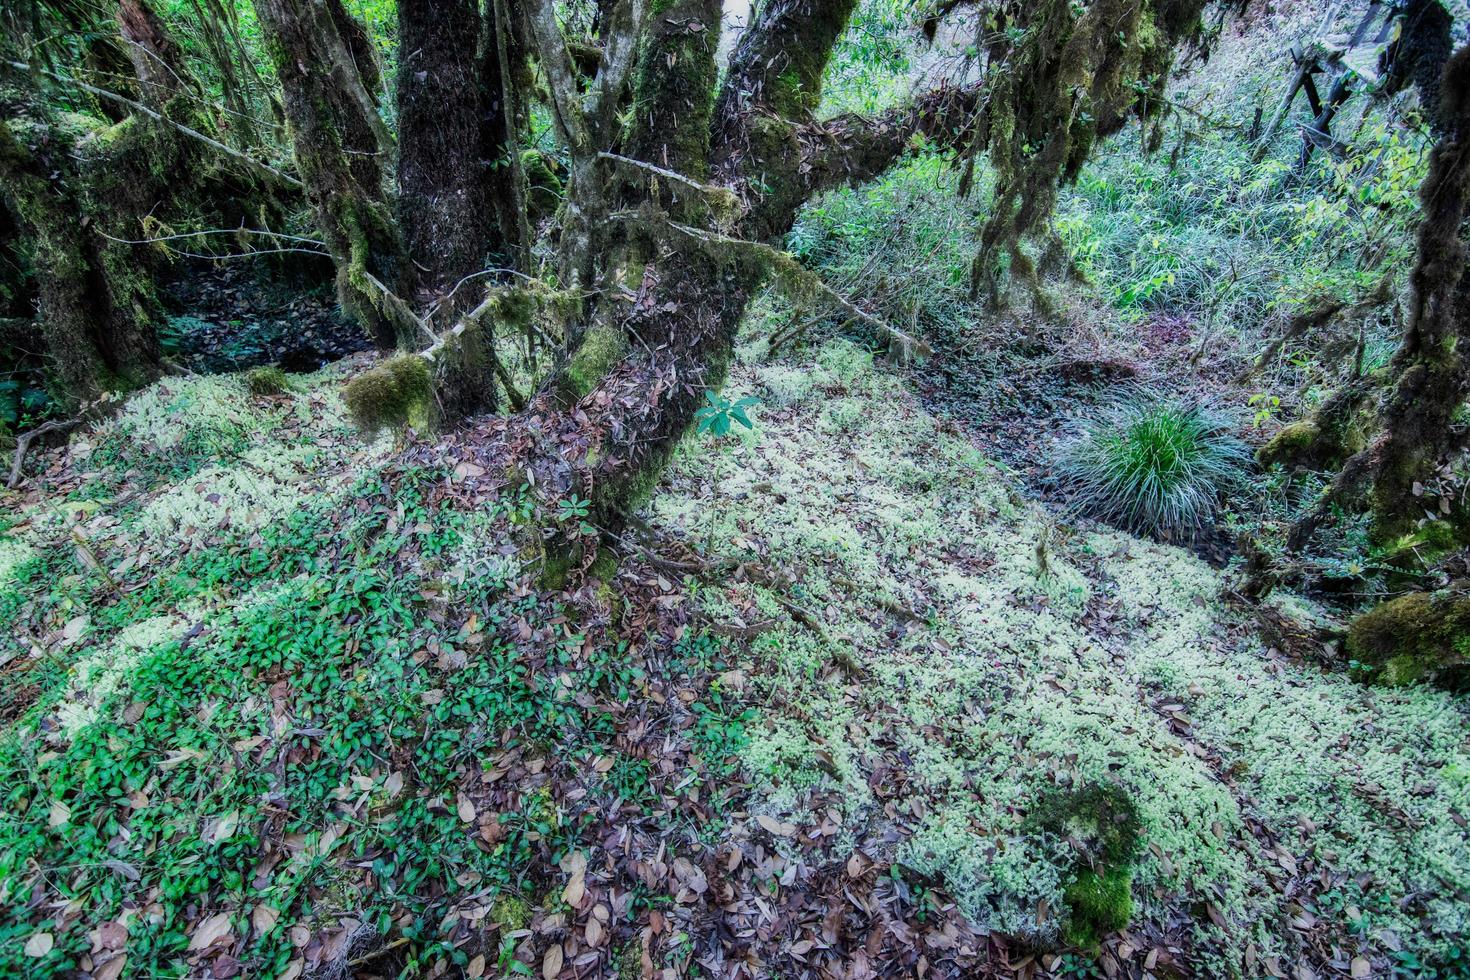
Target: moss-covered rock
x=264 y=381
x=398 y=392
x=1423 y=636
x=1102 y=823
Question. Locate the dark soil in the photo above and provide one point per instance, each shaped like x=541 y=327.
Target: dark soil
x=229 y=317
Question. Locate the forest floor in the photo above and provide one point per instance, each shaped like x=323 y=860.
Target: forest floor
x=280 y=702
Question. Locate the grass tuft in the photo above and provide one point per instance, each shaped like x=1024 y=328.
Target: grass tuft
x=1153 y=466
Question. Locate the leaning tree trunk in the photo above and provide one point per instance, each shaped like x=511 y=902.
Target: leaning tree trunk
x=327 y=78
x=95 y=318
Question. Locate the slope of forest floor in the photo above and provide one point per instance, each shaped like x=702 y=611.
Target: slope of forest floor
x=280 y=702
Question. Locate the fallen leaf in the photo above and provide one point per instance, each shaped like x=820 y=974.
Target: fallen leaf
x=39 y=944
x=551 y=963
x=209 y=931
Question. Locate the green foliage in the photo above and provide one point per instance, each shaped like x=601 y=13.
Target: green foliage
x=719 y=414
x=1153 y=465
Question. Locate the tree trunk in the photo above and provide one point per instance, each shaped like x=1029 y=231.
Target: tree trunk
x=327 y=76
x=94 y=311
x=157 y=61
x=1429 y=377
x=445 y=209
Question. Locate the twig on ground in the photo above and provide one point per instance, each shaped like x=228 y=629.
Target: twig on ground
x=23 y=444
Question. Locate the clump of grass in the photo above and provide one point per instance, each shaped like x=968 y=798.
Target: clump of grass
x=1153 y=466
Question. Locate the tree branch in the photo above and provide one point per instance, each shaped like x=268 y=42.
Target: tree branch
x=560 y=77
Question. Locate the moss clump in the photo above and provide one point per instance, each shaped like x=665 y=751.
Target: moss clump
x=264 y=381
x=1423 y=636
x=1101 y=903
x=600 y=350
x=398 y=392
x=543 y=184
x=1290 y=443
x=1103 y=822
x=510 y=913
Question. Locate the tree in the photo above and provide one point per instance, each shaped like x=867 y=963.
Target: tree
x=1390 y=430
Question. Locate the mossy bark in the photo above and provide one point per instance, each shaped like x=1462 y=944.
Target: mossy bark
x=1428 y=379
x=96 y=310
x=338 y=145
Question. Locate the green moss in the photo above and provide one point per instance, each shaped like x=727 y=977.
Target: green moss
x=1101 y=904
x=398 y=392
x=543 y=183
x=629 y=962
x=510 y=913
x=600 y=350
x=1416 y=637
x=1289 y=443
x=267 y=381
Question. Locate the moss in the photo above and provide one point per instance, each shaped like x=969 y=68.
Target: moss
x=544 y=184
x=1290 y=443
x=1101 y=817
x=600 y=350
x=1101 y=904
x=510 y=913
x=398 y=392
x=1416 y=637
x=629 y=962
x=267 y=381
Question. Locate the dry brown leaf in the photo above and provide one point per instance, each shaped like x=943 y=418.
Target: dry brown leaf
x=40 y=944
x=551 y=963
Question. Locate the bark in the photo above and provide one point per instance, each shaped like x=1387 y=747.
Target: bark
x=445 y=210
x=326 y=77
x=95 y=317
x=1429 y=376
x=157 y=61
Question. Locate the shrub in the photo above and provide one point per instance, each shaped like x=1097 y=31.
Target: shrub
x=1153 y=466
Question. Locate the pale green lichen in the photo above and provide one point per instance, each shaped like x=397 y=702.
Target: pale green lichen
x=1001 y=686
x=13 y=555
x=99 y=676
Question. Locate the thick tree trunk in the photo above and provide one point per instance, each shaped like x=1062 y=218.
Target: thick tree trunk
x=158 y=62
x=1429 y=377
x=327 y=74
x=445 y=209
x=95 y=310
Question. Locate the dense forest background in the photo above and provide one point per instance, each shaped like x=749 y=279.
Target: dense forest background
x=668 y=488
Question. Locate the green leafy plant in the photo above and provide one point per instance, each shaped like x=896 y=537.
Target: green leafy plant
x=719 y=416
x=1153 y=465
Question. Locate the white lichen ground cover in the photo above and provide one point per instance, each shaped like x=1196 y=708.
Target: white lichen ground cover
x=1290 y=812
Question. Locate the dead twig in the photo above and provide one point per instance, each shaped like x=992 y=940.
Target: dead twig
x=23 y=444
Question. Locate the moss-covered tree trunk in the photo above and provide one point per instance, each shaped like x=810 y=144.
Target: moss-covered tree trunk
x=97 y=323
x=328 y=78
x=1428 y=379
